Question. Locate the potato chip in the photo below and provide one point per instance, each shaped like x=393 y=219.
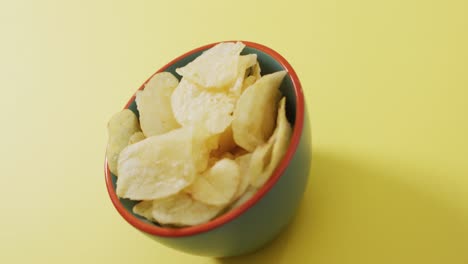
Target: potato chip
x=181 y=210
x=120 y=128
x=218 y=184
x=194 y=106
x=244 y=163
x=227 y=155
x=136 y=137
x=259 y=161
x=160 y=166
x=249 y=193
x=238 y=151
x=255 y=112
x=154 y=105
x=204 y=144
x=216 y=67
x=279 y=142
x=256 y=70
x=245 y=62
x=248 y=82
x=226 y=142
x=252 y=77
x=145 y=209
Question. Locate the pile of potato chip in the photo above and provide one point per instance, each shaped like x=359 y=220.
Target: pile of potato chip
x=201 y=146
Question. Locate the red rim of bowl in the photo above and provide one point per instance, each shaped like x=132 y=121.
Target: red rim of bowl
x=231 y=215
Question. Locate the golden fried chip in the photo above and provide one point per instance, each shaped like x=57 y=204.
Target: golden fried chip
x=279 y=143
x=154 y=105
x=181 y=210
x=194 y=106
x=255 y=112
x=218 y=184
x=136 y=137
x=120 y=128
x=215 y=68
x=160 y=166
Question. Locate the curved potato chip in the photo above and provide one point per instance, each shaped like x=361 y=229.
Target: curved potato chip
x=252 y=77
x=256 y=70
x=227 y=155
x=256 y=110
x=145 y=209
x=238 y=151
x=120 y=128
x=218 y=184
x=160 y=166
x=259 y=161
x=180 y=209
x=249 y=193
x=154 y=105
x=215 y=68
x=226 y=142
x=244 y=164
x=250 y=80
x=194 y=106
x=136 y=137
x=279 y=142
x=203 y=145
x=245 y=62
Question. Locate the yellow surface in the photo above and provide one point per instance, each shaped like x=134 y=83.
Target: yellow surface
x=387 y=86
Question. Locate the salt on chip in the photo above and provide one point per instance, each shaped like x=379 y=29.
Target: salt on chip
x=160 y=166
x=154 y=105
x=278 y=143
x=218 y=184
x=216 y=67
x=120 y=128
x=194 y=106
x=136 y=137
x=181 y=210
x=145 y=209
x=256 y=110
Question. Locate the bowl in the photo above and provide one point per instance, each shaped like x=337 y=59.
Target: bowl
x=259 y=220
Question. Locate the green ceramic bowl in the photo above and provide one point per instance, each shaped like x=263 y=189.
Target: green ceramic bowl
x=255 y=223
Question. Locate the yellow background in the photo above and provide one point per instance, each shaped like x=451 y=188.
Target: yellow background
x=387 y=88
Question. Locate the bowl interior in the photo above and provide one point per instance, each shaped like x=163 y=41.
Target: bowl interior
x=267 y=64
